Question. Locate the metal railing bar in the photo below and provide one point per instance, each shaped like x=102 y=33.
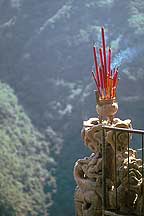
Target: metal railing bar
x=141 y=149
x=109 y=213
x=142 y=171
x=142 y=155
x=115 y=169
x=124 y=129
x=103 y=173
x=128 y=172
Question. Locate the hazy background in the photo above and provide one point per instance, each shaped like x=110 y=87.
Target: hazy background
x=46 y=58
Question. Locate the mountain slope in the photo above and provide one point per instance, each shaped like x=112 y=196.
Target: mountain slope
x=26 y=178
x=46 y=56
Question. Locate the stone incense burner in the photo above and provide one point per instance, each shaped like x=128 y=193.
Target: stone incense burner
x=106 y=108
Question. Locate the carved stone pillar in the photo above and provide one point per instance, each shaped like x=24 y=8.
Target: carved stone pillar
x=123 y=171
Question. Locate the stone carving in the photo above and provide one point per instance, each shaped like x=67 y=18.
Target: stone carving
x=123 y=171
x=87 y=174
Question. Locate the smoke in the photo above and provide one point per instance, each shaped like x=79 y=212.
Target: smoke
x=124 y=56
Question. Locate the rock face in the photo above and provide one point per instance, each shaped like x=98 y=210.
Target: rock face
x=123 y=171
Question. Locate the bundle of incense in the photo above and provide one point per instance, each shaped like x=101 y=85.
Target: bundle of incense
x=105 y=78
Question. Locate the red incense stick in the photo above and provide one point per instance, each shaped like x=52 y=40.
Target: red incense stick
x=106 y=79
x=101 y=78
x=96 y=83
x=109 y=62
x=96 y=65
x=102 y=68
x=115 y=78
x=104 y=51
x=101 y=57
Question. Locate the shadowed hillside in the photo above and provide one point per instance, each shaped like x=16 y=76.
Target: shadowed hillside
x=26 y=178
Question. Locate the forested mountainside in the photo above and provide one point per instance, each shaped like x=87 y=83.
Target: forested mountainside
x=46 y=57
x=27 y=179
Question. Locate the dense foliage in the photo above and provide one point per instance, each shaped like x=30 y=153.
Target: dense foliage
x=26 y=181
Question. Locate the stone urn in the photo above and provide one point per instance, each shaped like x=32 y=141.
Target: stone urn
x=106 y=108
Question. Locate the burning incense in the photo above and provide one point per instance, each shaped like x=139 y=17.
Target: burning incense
x=105 y=78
